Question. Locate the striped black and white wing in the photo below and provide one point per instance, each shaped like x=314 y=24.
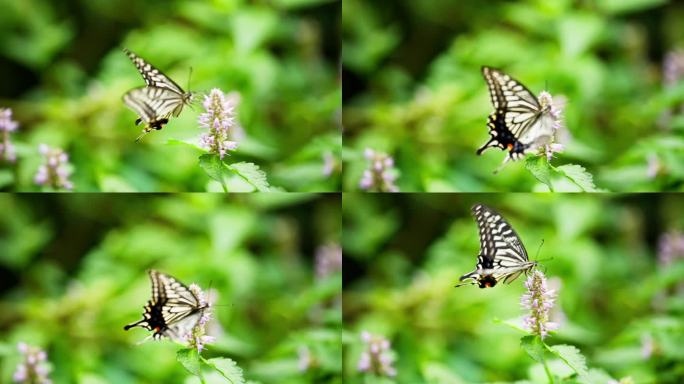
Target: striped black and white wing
x=179 y=301
x=500 y=246
x=172 y=311
x=502 y=255
x=153 y=104
x=516 y=113
x=153 y=77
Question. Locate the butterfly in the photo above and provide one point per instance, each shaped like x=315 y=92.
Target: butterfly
x=159 y=100
x=173 y=310
x=502 y=255
x=520 y=121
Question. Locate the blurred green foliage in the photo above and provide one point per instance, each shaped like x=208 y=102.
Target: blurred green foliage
x=64 y=75
x=617 y=304
x=73 y=274
x=413 y=88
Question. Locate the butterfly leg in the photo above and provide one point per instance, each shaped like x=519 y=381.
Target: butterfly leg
x=155 y=125
x=145 y=131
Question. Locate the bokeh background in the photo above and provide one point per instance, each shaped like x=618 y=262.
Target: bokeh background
x=64 y=74
x=617 y=263
x=73 y=273
x=413 y=88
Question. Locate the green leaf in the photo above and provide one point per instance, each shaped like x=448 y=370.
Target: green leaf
x=572 y=357
x=190 y=360
x=579 y=176
x=624 y=6
x=214 y=167
x=6 y=178
x=228 y=369
x=252 y=174
x=534 y=347
x=540 y=169
x=596 y=376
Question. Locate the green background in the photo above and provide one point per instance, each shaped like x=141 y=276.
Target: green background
x=404 y=253
x=64 y=74
x=73 y=273
x=413 y=88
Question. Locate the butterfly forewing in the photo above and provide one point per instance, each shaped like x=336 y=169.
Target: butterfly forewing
x=502 y=255
x=152 y=76
x=516 y=112
x=173 y=309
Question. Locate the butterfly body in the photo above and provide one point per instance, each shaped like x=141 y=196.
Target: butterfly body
x=160 y=99
x=502 y=255
x=173 y=310
x=519 y=121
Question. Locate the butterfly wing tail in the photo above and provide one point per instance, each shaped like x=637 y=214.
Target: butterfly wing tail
x=136 y=324
x=491 y=143
x=470 y=277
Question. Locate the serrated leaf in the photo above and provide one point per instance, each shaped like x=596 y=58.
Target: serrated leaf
x=539 y=168
x=596 y=376
x=572 y=357
x=579 y=176
x=190 y=143
x=214 y=167
x=189 y=359
x=228 y=369
x=534 y=347
x=252 y=174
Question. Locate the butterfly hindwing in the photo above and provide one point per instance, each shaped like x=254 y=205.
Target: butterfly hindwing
x=502 y=255
x=152 y=104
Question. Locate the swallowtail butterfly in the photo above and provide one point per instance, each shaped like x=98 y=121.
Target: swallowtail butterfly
x=159 y=100
x=502 y=254
x=173 y=309
x=520 y=121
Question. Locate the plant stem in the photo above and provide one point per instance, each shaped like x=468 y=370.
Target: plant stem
x=547 y=370
x=546 y=367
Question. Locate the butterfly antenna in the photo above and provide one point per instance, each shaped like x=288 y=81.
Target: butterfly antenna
x=539 y=249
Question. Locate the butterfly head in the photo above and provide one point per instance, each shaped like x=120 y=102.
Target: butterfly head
x=545 y=102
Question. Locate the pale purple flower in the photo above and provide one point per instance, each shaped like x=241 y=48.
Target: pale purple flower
x=219 y=120
x=197 y=337
x=378 y=356
x=328 y=260
x=330 y=164
x=670 y=247
x=7 y=126
x=56 y=169
x=673 y=73
x=538 y=300
x=380 y=174
x=673 y=68
x=547 y=144
x=306 y=359
x=34 y=368
x=653 y=166
x=647 y=346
